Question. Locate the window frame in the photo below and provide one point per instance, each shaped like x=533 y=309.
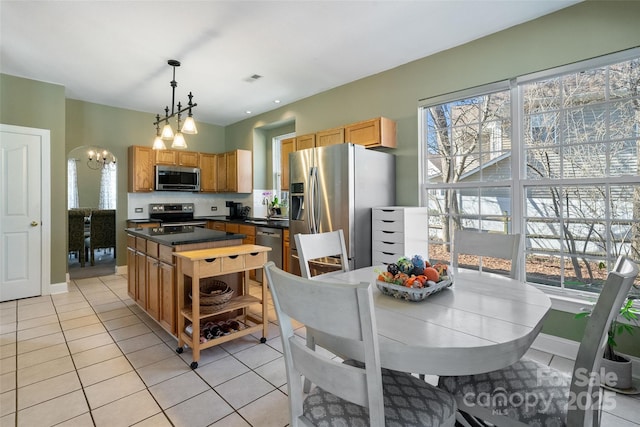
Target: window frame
x=519 y=182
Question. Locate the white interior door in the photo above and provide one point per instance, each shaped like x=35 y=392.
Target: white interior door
x=21 y=234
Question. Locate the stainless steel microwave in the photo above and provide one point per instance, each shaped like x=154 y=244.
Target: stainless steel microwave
x=177 y=178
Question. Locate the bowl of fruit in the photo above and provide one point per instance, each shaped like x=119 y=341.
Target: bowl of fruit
x=414 y=279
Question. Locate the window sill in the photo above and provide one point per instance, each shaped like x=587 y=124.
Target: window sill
x=570 y=303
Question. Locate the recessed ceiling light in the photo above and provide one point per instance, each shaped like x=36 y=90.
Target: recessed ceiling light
x=277 y=101
x=248 y=111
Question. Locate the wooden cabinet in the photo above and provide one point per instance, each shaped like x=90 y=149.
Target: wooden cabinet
x=177 y=158
x=133 y=224
x=235 y=172
x=153 y=289
x=167 y=304
x=379 y=132
x=217 y=225
x=140 y=169
x=131 y=268
x=329 y=137
x=141 y=279
x=287 y=146
x=286 y=251
x=398 y=231
x=230 y=172
x=208 y=173
x=305 y=141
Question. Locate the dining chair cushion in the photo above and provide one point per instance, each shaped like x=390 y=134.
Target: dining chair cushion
x=527 y=392
x=408 y=401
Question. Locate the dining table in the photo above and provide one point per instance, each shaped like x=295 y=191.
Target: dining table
x=481 y=323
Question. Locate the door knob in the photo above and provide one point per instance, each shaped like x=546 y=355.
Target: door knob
x=34 y=223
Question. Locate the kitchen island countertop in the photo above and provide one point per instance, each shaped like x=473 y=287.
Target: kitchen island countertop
x=187 y=235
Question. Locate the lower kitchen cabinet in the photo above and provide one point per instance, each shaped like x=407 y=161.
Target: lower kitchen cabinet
x=167 y=303
x=151 y=278
x=141 y=279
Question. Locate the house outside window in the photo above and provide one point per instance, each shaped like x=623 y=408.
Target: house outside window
x=553 y=156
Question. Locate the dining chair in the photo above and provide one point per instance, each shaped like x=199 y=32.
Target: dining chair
x=530 y=393
x=76 y=234
x=349 y=393
x=103 y=231
x=314 y=248
x=494 y=245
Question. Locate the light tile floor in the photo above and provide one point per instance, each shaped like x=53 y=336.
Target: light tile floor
x=92 y=357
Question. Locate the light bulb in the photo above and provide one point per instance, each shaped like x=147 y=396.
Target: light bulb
x=167 y=132
x=158 y=144
x=178 y=141
x=189 y=126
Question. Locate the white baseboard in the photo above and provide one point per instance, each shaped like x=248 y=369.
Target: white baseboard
x=58 y=288
x=569 y=349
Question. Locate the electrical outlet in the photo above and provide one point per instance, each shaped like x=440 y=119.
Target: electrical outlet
x=214 y=208
x=138 y=210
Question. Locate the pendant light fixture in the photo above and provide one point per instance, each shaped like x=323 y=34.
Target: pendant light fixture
x=189 y=126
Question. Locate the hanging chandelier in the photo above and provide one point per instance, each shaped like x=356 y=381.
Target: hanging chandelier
x=100 y=158
x=189 y=125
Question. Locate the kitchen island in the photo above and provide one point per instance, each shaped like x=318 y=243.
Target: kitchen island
x=152 y=270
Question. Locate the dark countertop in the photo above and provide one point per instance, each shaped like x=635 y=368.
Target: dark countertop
x=259 y=222
x=196 y=235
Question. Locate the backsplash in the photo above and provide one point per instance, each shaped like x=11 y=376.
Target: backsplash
x=202 y=202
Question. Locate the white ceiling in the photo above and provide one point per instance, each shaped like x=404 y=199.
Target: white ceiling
x=115 y=52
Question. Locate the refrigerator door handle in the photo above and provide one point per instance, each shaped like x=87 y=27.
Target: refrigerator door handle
x=313 y=171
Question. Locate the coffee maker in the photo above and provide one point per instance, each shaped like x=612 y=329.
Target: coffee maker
x=235 y=210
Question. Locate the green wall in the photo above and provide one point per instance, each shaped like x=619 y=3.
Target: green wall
x=586 y=30
x=40 y=105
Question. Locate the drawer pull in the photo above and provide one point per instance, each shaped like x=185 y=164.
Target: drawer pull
x=233 y=256
x=387 y=253
x=388 y=243
x=388 y=210
x=254 y=253
x=210 y=259
x=388 y=232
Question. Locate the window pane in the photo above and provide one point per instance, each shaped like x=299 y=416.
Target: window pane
x=579 y=143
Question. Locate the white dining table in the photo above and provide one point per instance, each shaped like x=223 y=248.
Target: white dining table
x=481 y=323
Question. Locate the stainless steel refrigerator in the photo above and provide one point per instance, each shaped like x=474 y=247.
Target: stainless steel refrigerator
x=335 y=187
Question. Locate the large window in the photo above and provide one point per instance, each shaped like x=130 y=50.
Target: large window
x=553 y=156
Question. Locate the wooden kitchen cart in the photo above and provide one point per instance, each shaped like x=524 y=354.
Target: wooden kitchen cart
x=203 y=263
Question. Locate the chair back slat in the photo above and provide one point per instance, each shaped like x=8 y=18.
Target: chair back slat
x=318 y=246
x=344 y=310
x=494 y=245
x=593 y=343
x=76 y=233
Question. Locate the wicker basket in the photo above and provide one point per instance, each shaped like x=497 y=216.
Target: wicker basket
x=214 y=293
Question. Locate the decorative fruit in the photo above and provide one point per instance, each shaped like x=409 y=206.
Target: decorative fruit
x=432 y=274
x=418 y=264
x=405 y=265
x=393 y=269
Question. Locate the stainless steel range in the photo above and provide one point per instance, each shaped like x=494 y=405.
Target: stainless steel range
x=174 y=214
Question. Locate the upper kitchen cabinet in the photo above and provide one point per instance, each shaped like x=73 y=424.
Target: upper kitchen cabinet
x=235 y=172
x=140 y=169
x=330 y=137
x=177 y=158
x=208 y=172
x=287 y=146
x=379 y=132
x=305 y=141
